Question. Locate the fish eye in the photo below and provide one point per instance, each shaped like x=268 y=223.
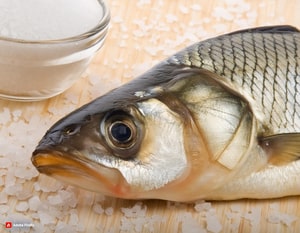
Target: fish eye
x=122 y=133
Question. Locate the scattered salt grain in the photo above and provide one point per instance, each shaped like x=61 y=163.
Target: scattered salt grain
x=10 y=178
x=3 y=198
x=26 y=173
x=213 y=223
x=4 y=209
x=278 y=217
x=97 y=208
x=196 y=7
x=137 y=210
x=62 y=227
x=69 y=197
x=5 y=162
x=22 y=206
x=171 y=18
x=34 y=203
x=117 y=19
x=46 y=218
x=13 y=189
x=16 y=115
x=189 y=224
x=23 y=194
x=55 y=200
x=235 y=208
x=74 y=219
x=49 y=185
x=143 y=2
x=109 y=211
x=254 y=216
x=202 y=206
x=141 y=224
x=183 y=9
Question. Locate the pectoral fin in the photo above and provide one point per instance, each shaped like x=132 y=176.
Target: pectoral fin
x=282 y=148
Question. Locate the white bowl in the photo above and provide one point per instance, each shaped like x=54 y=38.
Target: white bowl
x=36 y=70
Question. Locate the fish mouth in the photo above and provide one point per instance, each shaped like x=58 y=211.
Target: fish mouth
x=78 y=172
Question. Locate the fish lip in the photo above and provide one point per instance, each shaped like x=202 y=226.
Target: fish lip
x=77 y=172
x=41 y=160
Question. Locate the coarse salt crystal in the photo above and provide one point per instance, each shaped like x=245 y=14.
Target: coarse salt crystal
x=196 y=7
x=4 y=209
x=68 y=197
x=183 y=9
x=23 y=194
x=22 y=206
x=62 y=227
x=97 y=208
x=171 y=18
x=202 y=206
x=55 y=200
x=213 y=223
x=109 y=211
x=235 y=208
x=3 y=198
x=137 y=210
x=277 y=217
x=48 y=185
x=16 y=114
x=189 y=224
x=13 y=189
x=46 y=218
x=34 y=203
x=5 y=162
x=253 y=216
x=5 y=116
x=73 y=217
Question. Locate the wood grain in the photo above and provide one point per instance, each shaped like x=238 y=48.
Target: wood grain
x=141 y=34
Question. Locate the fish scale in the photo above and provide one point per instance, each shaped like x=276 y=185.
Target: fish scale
x=264 y=65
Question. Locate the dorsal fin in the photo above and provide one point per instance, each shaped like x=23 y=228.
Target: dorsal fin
x=269 y=29
x=282 y=148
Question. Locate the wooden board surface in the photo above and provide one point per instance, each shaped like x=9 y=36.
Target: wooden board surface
x=142 y=33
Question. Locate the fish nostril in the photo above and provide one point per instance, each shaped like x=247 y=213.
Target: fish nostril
x=71 y=130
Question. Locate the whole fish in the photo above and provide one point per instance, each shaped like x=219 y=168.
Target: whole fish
x=218 y=120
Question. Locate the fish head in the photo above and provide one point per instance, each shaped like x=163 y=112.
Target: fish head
x=144 y=141
x=124 y=152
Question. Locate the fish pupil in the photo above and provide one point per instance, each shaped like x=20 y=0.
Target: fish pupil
x=120 y=132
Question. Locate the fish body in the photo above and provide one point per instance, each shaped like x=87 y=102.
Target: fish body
x=219 y=120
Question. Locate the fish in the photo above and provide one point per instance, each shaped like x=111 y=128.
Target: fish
x=218 y=120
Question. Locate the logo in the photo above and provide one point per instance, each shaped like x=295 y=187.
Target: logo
x=8 y=225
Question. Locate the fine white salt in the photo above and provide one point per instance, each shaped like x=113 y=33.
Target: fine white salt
x=48 y=19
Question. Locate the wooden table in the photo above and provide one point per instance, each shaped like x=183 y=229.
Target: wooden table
x=142 y=33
